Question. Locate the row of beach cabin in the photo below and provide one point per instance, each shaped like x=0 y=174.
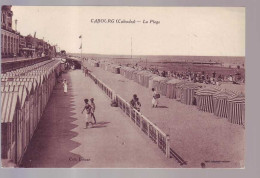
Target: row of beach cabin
x=208 y=98
x=24 y=96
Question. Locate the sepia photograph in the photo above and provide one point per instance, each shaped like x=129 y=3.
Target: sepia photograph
x=122 y=87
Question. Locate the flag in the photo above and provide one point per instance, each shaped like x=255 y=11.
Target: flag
x=80 y=36
x=80 y=46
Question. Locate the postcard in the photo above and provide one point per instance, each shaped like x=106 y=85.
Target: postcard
x=122 y=87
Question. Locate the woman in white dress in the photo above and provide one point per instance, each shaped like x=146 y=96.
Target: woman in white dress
x=155 y=98
x=65 y=86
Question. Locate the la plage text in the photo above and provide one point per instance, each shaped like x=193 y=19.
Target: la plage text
x=124 y=21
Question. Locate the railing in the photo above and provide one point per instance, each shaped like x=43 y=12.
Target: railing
x=105 y=88
x=145 y=125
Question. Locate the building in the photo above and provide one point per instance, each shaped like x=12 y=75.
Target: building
x=13 y=44
x=9 y=37
x=30 y=46
x=53 y=51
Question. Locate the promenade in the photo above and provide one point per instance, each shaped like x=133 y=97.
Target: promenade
x=61 y=140
x=13 y=59
x=196 y=136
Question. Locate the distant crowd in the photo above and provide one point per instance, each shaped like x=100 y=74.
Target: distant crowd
x=196 y=77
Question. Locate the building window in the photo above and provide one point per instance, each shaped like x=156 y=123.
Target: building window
x=3 y=18
x=2 y=43
x=5 y=43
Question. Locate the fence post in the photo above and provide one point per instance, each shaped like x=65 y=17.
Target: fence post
x=148 y=129
x=141 y=122
x=157 y=137
x=136 y=118
x=167 y=146
x=130 y=112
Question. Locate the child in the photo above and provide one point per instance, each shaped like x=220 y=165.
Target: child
x=93 y=107
x=87 y=107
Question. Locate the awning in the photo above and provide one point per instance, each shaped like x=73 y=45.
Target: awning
x=9 y=102
x=27 y=84
x=21 y=90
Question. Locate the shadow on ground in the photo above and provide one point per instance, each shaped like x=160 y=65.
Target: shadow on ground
x=100 y=124
x=162 y=107
x=51 y=144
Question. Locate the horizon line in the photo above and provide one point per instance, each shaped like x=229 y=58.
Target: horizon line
x=153 y=55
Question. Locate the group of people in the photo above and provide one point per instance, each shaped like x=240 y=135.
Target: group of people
x=135 y=103
x=196 y=77
x=69 y=65
x=90 y=109
x=199 y=77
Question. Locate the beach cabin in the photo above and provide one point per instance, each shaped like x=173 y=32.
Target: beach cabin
x=188 y=93
x=22 y=132
x=9 y=119
x=204 y=98
x=236 y=109
x=178 y=88
x=171 y=88
x=220 y=102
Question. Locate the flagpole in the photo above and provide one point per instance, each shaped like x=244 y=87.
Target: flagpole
x=81 y=48
x=131 y=49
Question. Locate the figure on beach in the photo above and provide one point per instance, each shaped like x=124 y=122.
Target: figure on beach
x=88 y=117
x=156 y=96
x=65 y=86
x=93 y=108
x=132 y=102
x=138 y=105
x=86 y=71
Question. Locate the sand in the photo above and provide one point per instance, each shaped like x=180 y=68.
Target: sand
x=195 y=135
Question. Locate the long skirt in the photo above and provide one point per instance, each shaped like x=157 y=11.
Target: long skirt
x=89 y=118
x=155 y=102
x=65 y=88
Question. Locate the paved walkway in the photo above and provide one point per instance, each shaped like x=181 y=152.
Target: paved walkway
x=61 y=139
x=196 y=136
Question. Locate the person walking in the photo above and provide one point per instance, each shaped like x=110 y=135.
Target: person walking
x=155 y=98
x=86 y=71
x=65 y=86
x=135 y=103
x=88 y=117
x=93 y=108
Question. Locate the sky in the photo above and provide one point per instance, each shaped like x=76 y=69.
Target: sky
x=196 y=31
